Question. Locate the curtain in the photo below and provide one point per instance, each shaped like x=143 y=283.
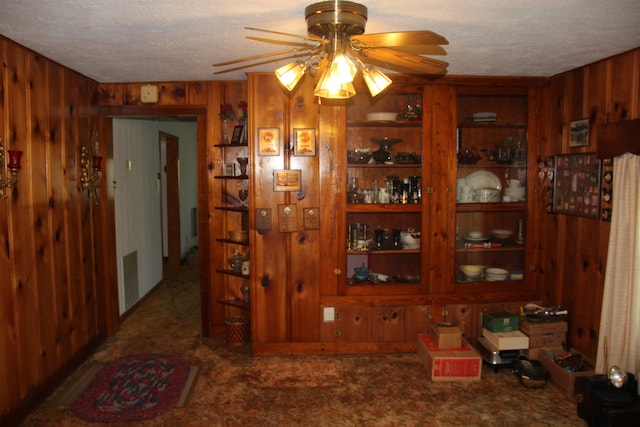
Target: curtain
x=619 y=335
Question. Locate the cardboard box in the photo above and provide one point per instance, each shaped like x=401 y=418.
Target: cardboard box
x=560 y=377
x=454 y=364
x=514 y=340
x=542 y=328
x=500 y=322
x=444 y=336
x=547 y=340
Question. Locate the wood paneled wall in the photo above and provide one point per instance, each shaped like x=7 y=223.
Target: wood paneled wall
x=575 y=248
x=51 y=305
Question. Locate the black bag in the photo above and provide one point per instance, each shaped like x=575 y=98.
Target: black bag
x=531 y=373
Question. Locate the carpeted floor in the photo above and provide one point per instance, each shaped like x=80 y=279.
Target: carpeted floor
x=234 y=389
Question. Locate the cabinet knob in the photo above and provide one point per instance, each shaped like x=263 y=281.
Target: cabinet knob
x=337 y=271
x=449 y=189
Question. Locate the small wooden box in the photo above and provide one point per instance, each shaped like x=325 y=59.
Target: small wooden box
x=460 y=364
x=445 y=336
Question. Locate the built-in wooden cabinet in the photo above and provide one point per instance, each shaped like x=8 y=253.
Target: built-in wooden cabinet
x=383 y=200
x=491 y=189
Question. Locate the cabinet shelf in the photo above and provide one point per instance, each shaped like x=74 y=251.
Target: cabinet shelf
x=232 y=208
x=236 y=303
x=232 y=273
x=384 y=252
x=491 y=125
x=238 y=177
x=234 y=242
x=384 y=166
x=384 y=207
x=229 y=145
x=384 y=124
x=491 y=207
x=506 y=248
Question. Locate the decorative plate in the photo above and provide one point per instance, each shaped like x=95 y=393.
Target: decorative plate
x=483 y=179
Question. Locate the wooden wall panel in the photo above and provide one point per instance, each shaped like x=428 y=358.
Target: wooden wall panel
x=45 y=321
x=304 y=284
x=269 y=266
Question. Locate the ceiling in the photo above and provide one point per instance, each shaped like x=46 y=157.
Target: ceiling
x=178 y=40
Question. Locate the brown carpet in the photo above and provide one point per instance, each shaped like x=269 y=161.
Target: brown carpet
x=234 y=389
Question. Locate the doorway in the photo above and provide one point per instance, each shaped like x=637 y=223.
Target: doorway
x=171 y=221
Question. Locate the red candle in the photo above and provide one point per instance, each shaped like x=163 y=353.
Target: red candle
x=14 y=159
x=97 y=160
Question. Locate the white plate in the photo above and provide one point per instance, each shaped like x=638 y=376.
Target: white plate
x=476 y=239
x=483 y=179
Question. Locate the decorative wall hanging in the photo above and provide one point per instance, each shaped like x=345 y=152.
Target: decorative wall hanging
x=91 y=166
x=579 y=133
x=287 y=180
x=576 y=188
x=606 y=202
x=304 y=142
x=268 y=141
x=7 y=181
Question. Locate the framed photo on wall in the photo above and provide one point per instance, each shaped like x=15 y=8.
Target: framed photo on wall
x=576 y=189
x=268 y=141
x=304 y=142
x=579 y=133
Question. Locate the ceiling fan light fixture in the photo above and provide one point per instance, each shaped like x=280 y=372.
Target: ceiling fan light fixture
x=290 y=74
x=375 y=79
x=329 y=86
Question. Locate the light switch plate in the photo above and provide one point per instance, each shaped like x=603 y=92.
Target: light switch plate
x=149 y=94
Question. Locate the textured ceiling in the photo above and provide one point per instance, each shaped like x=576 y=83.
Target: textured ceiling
x=169 y=40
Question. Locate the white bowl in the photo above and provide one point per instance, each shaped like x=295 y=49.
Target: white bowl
x=486 y=195
x=502 y=234
x=495 y=273
x=387 y=117
x=410 y=240
x=471 y=271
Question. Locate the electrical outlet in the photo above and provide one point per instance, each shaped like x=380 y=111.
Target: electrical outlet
x=329 y=314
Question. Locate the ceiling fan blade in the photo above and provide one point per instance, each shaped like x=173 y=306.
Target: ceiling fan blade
x=315 y=39
x=228 y=70
x=421 y=49
x=404 y=62
x=264 y=55
x=283 y=42
x=400 y=39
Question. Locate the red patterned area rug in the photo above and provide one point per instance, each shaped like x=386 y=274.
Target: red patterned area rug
x=134 y=388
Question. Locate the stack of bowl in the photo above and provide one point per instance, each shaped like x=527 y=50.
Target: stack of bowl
x=494 y=274
x=515 y=193
x=471 y=271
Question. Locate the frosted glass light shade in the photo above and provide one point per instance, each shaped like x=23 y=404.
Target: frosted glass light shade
x=289 y=75
x=375 y=79
x=330 y=87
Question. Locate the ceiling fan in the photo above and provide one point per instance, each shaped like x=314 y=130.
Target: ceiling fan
x=337 y=48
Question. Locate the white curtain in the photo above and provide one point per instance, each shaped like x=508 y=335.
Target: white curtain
x=620 y=317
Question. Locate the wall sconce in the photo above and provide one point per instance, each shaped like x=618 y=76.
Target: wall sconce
x=90 y=168
x=7 y=182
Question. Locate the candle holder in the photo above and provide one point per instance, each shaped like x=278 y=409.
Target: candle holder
x=8 y=182
x=90 y=168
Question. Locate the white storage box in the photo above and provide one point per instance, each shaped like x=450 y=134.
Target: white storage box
x=514 y=340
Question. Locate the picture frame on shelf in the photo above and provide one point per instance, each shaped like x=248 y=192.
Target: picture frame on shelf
x=304 y=142
x=269 y=141
x=236 y=136
x=579 y=133
x=228 y=169
x=576 y=185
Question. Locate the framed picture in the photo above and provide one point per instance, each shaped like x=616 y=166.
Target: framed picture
x=268 y=141
x=576 y=189
x=304 y=142
x=228 y=169
x=579 y=133
x=236 y=136
x=287 y=180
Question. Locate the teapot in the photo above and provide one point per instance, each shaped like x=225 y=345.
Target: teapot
x=361 y=273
